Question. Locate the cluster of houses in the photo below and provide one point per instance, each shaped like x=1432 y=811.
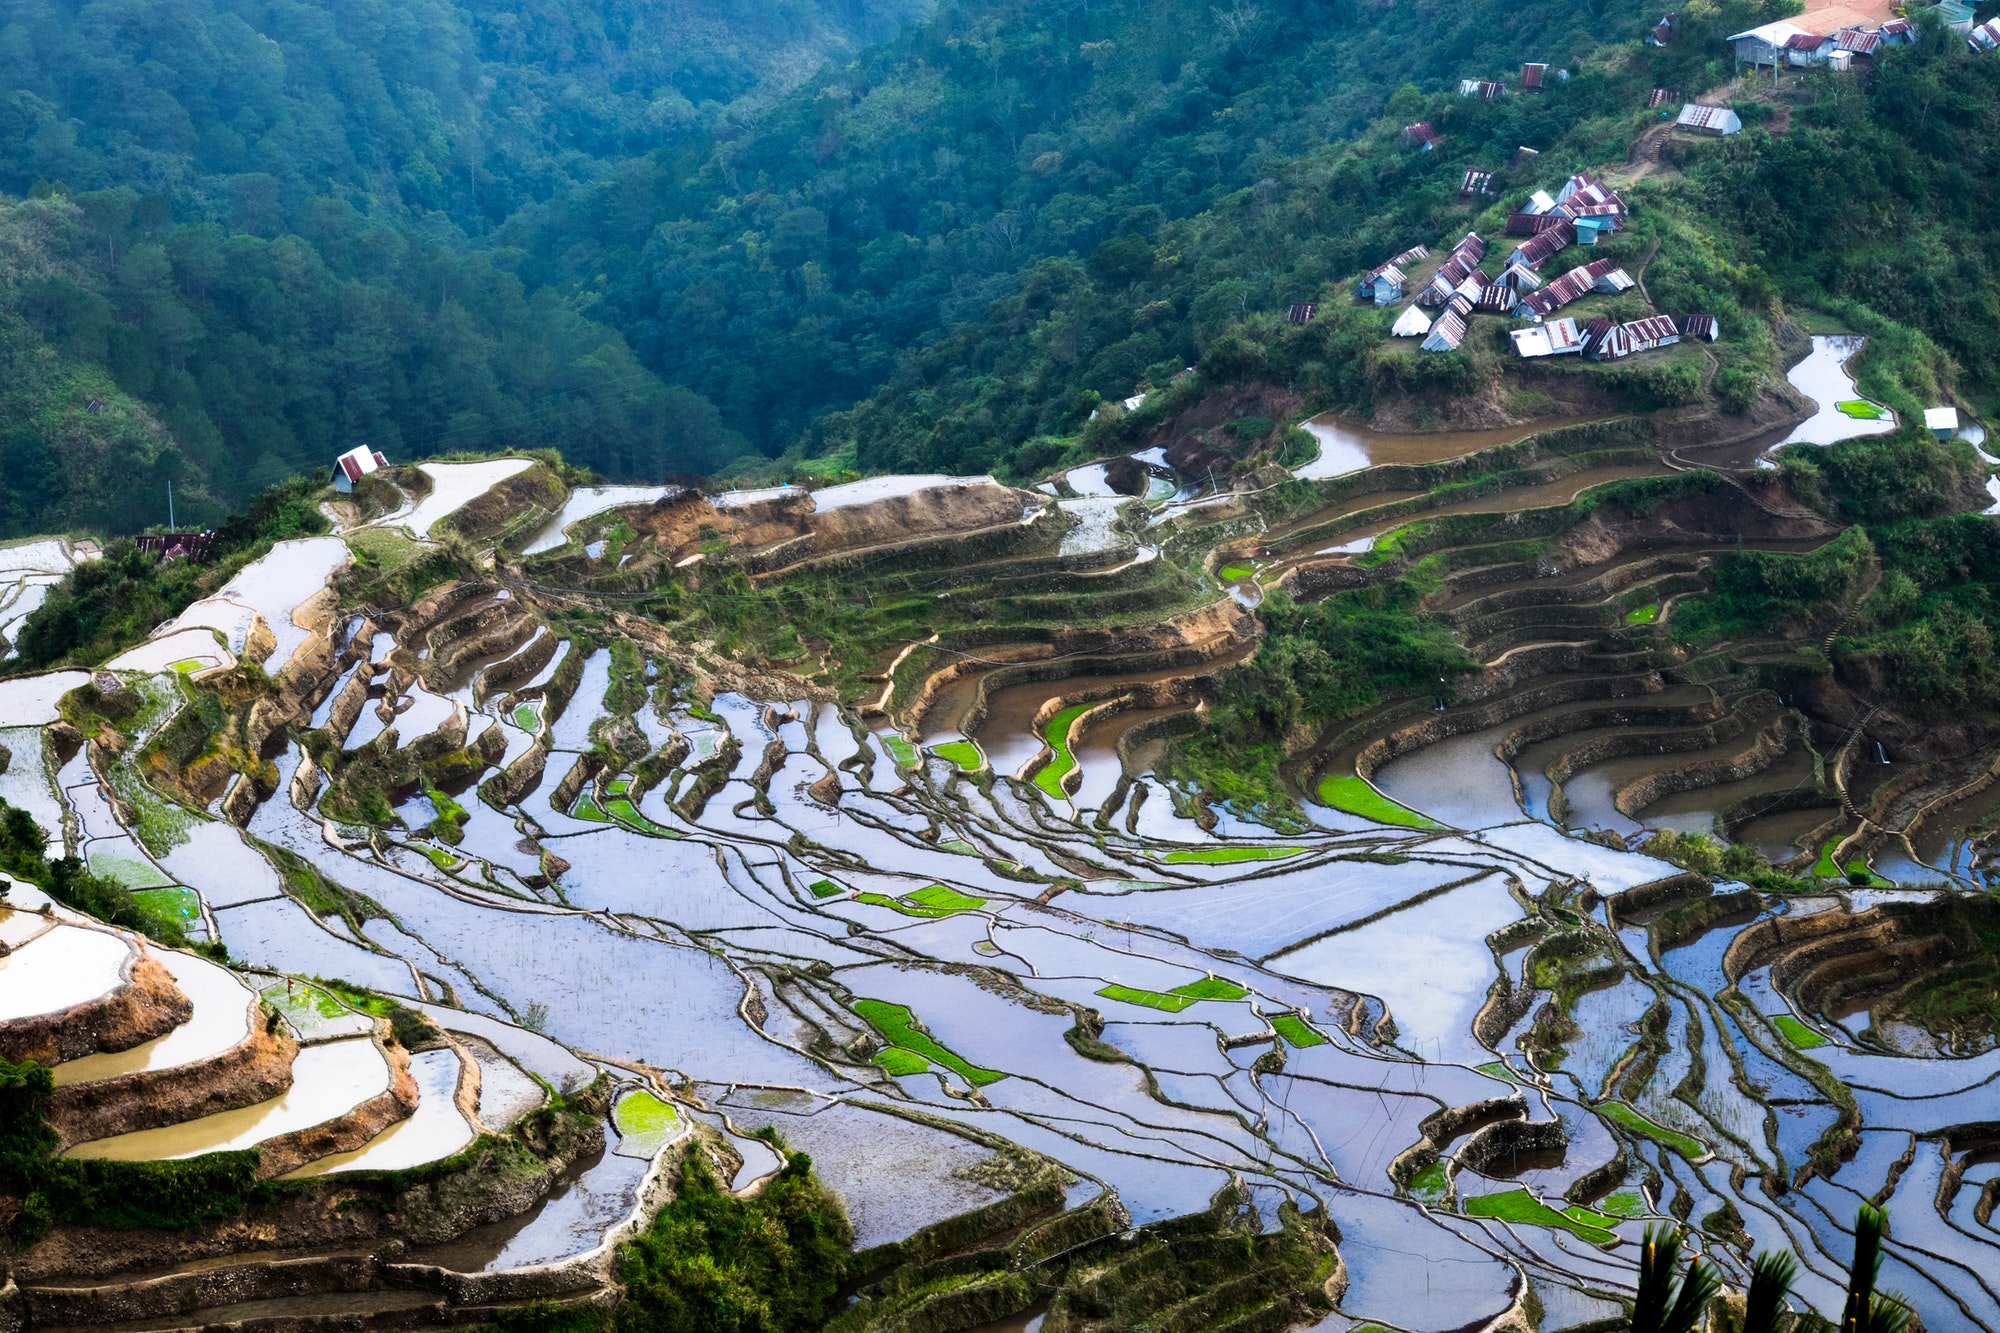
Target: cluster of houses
x=1580 y=213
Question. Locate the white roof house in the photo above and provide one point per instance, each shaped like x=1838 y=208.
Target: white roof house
x=1709 y=119
x=1552 y=338
x=1765 y=45
x=1412 y=323
x=1941 y=421
x=355 y=464
x=1538 y=202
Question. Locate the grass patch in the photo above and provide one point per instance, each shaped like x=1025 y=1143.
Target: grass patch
x=963 y=753
x=1226 y=856
x=1797 y=1033
x=1180 y=997
x=904 y=753
x=1295 y=1031
x=933 y=901
x=1049 y=777
x=176 y=903
x=899 y=1026
x=1521 y=1207
x=1643 y=615
x=1861 y=409
x=825 y=888
x=1623 y=1116
x=1353 y=795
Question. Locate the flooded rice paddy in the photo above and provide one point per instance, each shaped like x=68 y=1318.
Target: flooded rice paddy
x=868 y=945
x=1841 y=412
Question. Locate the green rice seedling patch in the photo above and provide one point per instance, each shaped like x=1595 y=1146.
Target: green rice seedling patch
x=586 y=807
x=1796 y=1032
x=1826 y=867
x=1231 y=573
x=934 y=901
x=129 y=871
x=438 y=856
x=189 y=664
x=1179 y=998
x=1355 y=796
x=904 y=753
x=1224 y=856
x=1857 y=868
x=900 y=1062
x=1623 y=1116
x=1050 y=777
x=1522 y=1208
x=617 y=786
x=527 y=717
x=965 y=754
x=1431 y=1183
x=1498 y=1069
x=958 y=847
x=641 y=1112
x=1295 y=1031
x=626 y=813
x=1643 y=615
x=945 y=899
x=825 y=888
x=1862 y=410
x=176 y=903
x=899 y=1027
x=1625 y=1204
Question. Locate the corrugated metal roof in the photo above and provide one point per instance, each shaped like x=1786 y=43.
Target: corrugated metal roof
x=1531 y=76
x=1447 y=333
x=1860 y=42
x=1537 y=250
x=1657 y=97
x=1696 y=116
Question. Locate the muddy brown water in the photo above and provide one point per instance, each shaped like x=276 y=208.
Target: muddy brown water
x=1345 y=447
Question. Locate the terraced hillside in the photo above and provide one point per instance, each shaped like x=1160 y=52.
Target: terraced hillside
x=574 y=848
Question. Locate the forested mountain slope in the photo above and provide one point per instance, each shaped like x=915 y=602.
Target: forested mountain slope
x=264 y=235
x=256 y=242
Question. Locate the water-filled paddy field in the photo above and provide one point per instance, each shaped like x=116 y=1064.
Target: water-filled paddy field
x=1458 y=1010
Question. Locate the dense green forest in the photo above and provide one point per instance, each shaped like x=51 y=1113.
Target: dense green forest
x=244 y=236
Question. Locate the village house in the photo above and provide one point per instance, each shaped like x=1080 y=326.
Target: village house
x=1457 y=267
x=1524 y=156
x=1662 y=32
x=1447 y=333
x=1421 y=136
x=1301 y=312
x=1555 y=338
x=1384 y=286
x=1478 y=184
x=1412 y=323
x=1718 y=120
x=1569 y=286
x=1985 y=37
x=1532 y=77
x=1497 y=298
x=1704 y=327
x=1659 y=97
x=1520 y=278
x=1941 y=421
x=1489 y=89
x=355 y=464
x=1537 y=250
x=1605 y=340
x=1957 y=15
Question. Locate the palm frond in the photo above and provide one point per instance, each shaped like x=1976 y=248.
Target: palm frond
x=1771 y=1279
